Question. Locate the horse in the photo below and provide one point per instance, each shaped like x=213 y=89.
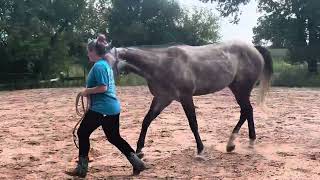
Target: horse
x=181 y=72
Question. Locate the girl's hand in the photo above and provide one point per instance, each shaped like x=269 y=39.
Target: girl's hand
x=84 y=93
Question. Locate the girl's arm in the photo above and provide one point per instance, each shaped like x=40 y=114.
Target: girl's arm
x=94 y=90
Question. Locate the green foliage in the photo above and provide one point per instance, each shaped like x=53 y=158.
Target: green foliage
x=29 y=33
x=160 y=22
x=229 y=7
x=198 y=27
x=294 y=25
x=131 y=80
x=289 y=75
x=291 y=24
x=143 y=22
x=41 y=38
x=44 y=37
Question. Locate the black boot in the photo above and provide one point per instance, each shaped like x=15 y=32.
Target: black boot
x=81 y=169
x=137 y=163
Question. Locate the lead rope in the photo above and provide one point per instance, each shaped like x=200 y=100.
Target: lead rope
x=84 y=109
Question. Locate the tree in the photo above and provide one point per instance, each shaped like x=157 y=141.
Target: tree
x=92 y=20
x=198 y=27
x=229 y=7
x=33 y=34
x=293 y=24
x=43 y=37
x=160 y=22
x=143 y=22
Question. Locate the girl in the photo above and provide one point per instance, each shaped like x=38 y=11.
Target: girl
x=104 y=110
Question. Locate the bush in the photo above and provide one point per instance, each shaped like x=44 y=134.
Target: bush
x=289 y=75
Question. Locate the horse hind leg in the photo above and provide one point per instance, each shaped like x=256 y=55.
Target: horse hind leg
x=242 y=94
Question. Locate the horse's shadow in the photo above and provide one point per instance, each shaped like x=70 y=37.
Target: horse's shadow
x=110 y=177
x=213 y=163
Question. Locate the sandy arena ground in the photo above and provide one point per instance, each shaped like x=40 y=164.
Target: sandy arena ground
x=36 y=137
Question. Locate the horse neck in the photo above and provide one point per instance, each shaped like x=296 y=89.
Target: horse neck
x=131 y=68
x=143 y=60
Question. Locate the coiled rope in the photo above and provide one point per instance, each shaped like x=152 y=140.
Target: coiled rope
x=84 y=110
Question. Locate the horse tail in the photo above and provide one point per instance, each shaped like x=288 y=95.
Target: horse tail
x=267 y=72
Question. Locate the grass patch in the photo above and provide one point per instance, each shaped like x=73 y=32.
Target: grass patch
x=131 y=80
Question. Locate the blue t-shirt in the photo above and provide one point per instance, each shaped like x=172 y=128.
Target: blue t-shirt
x=105 y=103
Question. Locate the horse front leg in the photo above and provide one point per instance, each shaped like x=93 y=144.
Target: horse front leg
x=157 y=105
x=189 y=109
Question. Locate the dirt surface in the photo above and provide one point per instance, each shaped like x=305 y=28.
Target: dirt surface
x=36 y=137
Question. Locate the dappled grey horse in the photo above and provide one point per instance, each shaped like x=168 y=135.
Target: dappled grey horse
x=181 y=72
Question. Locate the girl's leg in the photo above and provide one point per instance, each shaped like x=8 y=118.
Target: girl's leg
x=110 y=125
x=90 y=122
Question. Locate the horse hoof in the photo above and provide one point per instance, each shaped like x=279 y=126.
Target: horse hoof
x=140 y=154
x=230 y=148
x=200 y=158
x=200 y=153
x=251 y=144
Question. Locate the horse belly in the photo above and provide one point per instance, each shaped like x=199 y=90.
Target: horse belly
x=212 y=85
x=214 y=79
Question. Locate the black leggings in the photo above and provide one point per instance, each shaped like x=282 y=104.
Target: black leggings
x=110 y=124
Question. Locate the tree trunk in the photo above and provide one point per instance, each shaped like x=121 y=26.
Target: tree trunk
x=313 y=66
x=313 y=47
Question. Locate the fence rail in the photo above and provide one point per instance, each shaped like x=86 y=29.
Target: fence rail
x=17 y=84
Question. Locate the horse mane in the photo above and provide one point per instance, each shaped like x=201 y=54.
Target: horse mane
x=156 y=47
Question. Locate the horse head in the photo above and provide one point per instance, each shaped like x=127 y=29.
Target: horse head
x=117 y=64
